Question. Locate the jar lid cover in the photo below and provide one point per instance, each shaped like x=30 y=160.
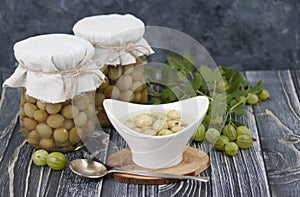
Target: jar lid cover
x=55 y=67
x=117 y=39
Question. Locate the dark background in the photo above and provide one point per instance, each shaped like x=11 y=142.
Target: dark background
x=247 y=35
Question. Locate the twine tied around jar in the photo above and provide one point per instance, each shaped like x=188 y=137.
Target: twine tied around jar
x=71 y=85
x=129 y=47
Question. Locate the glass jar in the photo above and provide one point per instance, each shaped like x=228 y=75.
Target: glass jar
x=120 y=51
x=57 y=126
x=58 y=81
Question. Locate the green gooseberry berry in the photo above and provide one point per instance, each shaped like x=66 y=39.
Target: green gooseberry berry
x=230 y=132
x=252 y=99
x=244 y=141
x=221 y=142
x=212 y=135
x=231 y=148
x=199 y=135
x=264 y=95
x=57 y=161
x=39 y=157
x=242 y=130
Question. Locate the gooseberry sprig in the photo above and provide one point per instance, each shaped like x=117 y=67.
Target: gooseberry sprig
x=226 y=89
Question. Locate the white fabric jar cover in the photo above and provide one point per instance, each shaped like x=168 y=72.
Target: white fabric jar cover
x=55 y=67
x=118 y=39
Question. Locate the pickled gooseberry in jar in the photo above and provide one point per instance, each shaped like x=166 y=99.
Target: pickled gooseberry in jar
x=123 y=82
x=57 y=126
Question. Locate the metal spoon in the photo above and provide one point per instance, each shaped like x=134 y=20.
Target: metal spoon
x=93 y=169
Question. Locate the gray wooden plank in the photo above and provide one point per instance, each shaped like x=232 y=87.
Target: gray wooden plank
x=136 y=190
x=114 y=188
x=184 y=188
x=1 y=82
x=249 y=164
x=242 y=175
x=9 y=109
x=64 y=182
x=69 y=183
x=295 y=77
x=189 y=187
x=110 y=186
x=39 y=177
x=279 y=130
x=16 y=168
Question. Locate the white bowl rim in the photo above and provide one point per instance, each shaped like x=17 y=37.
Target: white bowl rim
x=140 y=135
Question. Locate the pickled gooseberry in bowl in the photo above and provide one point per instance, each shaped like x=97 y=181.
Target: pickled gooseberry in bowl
x=157 y=123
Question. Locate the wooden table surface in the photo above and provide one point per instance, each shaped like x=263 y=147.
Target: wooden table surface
x=271 y=167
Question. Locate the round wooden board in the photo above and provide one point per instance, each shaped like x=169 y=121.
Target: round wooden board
x=193 y=162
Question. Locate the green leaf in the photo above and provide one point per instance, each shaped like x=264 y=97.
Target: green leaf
x=169 y=95
x=218 y=105
x=232 y=103
x=181 y=64
x=228 y=98
x=234 y=78
x=238 y=93
x=155 y=100
x=217 y=75
x=257 y=88
x=167 y=74
x=188 y=91
x=149 y=72
x=189 y=57
x=226 y=72
x=206 y=73
x=239 y=110
x=197 y=80
x=235 y=81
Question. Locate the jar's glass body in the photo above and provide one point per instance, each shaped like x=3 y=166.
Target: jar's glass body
x=123 y=82
x=57 y=126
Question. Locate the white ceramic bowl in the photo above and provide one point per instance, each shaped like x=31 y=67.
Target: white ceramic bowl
x=157 y=151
